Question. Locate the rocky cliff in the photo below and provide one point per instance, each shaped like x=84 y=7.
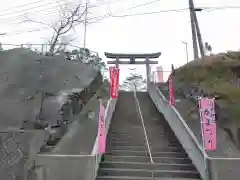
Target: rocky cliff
x=38 y=94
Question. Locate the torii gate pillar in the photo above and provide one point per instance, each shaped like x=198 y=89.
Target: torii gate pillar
x=132 y=58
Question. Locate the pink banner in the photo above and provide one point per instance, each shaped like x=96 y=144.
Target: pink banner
x=159 y=74
x=101 y=130
x=111 y=69
x=171 y=91
x=114 y=82
x=209 y=128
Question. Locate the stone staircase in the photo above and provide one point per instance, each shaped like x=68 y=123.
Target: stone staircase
x=128 y=157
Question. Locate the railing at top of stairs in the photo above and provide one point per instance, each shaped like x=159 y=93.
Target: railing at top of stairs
x=210 y=168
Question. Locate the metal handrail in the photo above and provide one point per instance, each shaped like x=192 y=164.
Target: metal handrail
x=210 y=168
x=144 y=129
x=184 y=124
x=193 y=135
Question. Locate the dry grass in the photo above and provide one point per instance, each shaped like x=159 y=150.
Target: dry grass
x=214 y=74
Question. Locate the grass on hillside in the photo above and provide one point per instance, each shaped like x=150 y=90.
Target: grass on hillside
x=218 y=76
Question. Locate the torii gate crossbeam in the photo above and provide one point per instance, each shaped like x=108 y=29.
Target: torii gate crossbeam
x=132 y=58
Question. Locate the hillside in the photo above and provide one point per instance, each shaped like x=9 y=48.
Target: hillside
x=215 y=76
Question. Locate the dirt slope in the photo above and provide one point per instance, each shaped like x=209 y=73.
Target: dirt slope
x=215 y=76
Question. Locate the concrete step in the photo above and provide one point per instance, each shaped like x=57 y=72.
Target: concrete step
x=147 y=173
x=127 y=140
x=47 y=148
x=139 y=178
x=148 y=166
x=137 y=134
x=126 y=136
x=146 y=153
x=143 y=144
x=152 y=146
x=127 y=156
x=146 y=159
x=142 y=140
x=133 y=132
x=144 y=148
x=123 y=134
x=115 y=136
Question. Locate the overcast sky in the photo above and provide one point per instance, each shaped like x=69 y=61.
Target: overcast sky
x=129 y=34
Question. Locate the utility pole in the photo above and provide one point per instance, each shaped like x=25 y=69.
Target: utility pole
x=196 y=29
x=194 y=34
x=85 y=24
x=199 y=36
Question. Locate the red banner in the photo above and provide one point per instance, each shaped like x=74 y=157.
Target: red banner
x=114 y=82
x=171 y=90
x=208 y=124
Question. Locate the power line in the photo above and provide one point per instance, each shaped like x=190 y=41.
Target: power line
x=100 y=18
x=36 y=30
x=54 y=7
x=148 y=13
x=144 y=4
x=86 y=22
x=222 y=8
x=32 y=8
x=173 y=10
x=20 y=17
x=90 y=6
x=23 y=5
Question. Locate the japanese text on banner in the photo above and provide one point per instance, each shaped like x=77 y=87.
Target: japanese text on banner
x=101 y=130
x=207 y=115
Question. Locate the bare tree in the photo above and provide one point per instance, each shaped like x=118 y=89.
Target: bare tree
x=134 y=81
x=69 y=17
